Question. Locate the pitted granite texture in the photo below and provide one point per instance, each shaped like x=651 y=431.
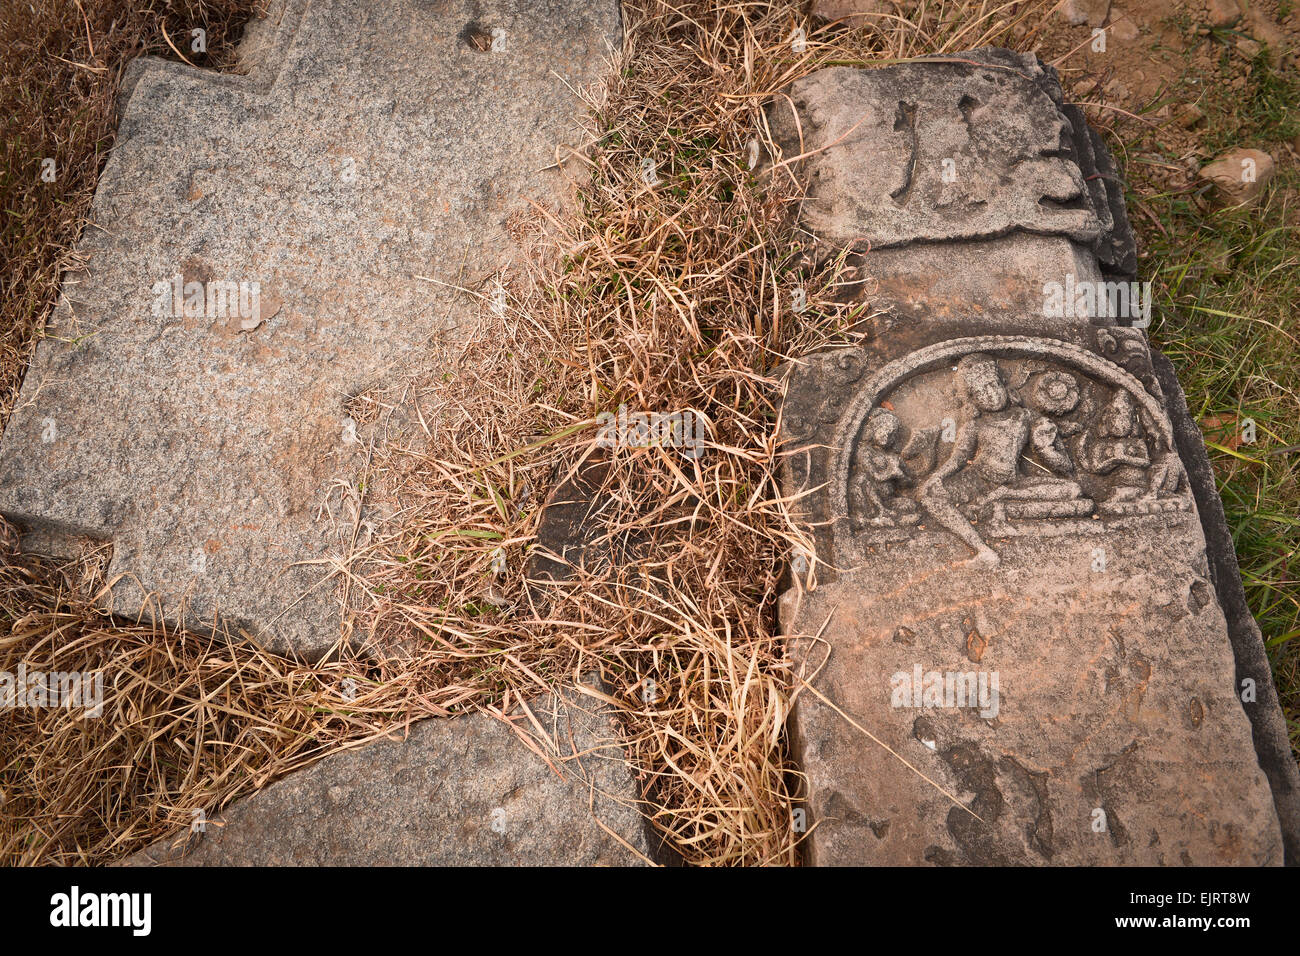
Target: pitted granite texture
x=461 y=791
x=369 y=144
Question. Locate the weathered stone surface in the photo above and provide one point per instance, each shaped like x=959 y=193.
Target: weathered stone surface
x=369 y=144
x=1222 y=13
x=1190 y=116
x=1281 y=50
x=1116 y=249
x=959 y=150
x=1122 y=27
x=998 y=501
x=1091 y=12
x=569 y=522
x=459 y=791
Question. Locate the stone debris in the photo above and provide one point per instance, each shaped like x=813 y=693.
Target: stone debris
x=1240 y=175
x=1266 y=31
x=1190 y=116
x=1222 y=14
x=1013 y=591
x=1091 y=12
x=932 y=187
x=1122 y=26
x=253 y=265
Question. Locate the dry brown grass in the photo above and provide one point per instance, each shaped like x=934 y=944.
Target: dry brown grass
x=664 y=299
x=188 y=721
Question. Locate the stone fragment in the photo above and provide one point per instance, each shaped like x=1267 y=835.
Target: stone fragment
x=982 y=158
x=1014 y=595
x=1222 y=14
x=1249 y=49
x=1240 y=175
x=1091 y=12
x=852 y=13
x=1116 y=90
x=1122 y=26
x=995 y=151
x=1190 y=116
x=209 y=437
x=461 y=791
x=568 y=539
x=1266 y=31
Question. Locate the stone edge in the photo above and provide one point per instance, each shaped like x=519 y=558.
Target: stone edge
x=262 y=51
x=1267 y=722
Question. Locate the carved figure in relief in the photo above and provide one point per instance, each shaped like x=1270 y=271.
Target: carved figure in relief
x=1039 y=437
x=1115 y=442
x=883 y=472
x=988 y=452
x=994 y=437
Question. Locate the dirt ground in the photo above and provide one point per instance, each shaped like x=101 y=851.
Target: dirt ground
x=1166 y=66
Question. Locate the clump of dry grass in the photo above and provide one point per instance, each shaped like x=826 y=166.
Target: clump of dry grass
x=187 y=719
x=670 y=297
x=669 y=293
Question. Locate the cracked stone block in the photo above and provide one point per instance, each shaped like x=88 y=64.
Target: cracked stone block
x=1011 y=588
x=462 y=791
x=254 y=262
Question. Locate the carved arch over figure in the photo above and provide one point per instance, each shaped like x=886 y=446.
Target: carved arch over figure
x=1100 y=444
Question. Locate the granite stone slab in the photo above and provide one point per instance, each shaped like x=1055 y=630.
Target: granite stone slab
x=252 y=265
x=461 y=791
x=962 y=147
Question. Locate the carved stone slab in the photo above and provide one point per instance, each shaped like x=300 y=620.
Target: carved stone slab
x=954 y=152
x=986 y=174
x=1010 y=588
x=369 y=145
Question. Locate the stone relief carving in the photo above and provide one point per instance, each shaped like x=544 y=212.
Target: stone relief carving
x=939 y=150
x=999 y=436
x=1127 y=348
